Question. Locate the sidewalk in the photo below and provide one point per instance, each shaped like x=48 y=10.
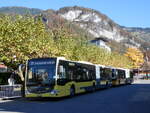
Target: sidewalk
x=2 y=101
x=141 y=81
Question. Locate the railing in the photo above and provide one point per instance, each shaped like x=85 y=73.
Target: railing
x=7 y=91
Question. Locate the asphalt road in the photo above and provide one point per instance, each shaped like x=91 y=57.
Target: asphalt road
x=133 y=98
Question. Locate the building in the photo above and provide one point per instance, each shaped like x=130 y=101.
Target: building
x=143 y=71
x=101 y=42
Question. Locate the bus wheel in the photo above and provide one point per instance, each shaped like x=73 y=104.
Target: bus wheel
x=72 y=91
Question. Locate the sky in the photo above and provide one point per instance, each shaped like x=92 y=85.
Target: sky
x=129 y=13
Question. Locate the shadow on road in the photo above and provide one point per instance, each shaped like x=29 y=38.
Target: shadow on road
x=124 y=99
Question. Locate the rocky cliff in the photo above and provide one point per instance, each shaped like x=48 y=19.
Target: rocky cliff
x=99 y=25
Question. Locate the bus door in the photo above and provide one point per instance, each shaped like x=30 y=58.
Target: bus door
x=103 y=76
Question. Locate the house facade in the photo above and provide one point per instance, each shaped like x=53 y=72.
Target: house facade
x=101 y=42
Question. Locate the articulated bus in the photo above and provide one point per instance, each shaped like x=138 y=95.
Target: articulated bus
x=58 y=77
x=103 y=76
x=121 y=76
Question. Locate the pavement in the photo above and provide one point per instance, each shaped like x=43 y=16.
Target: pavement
x=133 y=98
x=141 y=81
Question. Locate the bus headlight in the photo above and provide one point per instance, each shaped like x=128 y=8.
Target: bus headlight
x=54 y=92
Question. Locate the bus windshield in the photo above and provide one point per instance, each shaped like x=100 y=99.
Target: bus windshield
x=41 y=71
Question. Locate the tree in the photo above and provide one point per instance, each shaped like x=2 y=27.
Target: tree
x=23 y=37
x=136 y=56
x=28 y=37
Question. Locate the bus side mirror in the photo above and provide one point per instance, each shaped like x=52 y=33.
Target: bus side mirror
x=21 y=70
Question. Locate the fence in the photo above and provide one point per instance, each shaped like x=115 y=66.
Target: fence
x=7 y=91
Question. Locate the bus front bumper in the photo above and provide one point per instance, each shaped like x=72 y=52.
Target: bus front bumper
x=53 y=93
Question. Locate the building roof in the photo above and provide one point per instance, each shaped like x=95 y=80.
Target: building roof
x=101 y=38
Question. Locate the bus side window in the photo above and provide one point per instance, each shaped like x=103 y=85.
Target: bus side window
x=113 y=74
x=87 y=75
x=70 y=75
x=79 y=74
x=102 y=73
x=61 y=71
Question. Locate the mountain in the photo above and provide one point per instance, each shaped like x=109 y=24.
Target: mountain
x=20 y=10
x=55 y=21
x=99 y=25
x=52 y=20
x=142 y=33
x=89 y=23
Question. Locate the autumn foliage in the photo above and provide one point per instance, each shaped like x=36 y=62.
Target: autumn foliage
x=136 y=56
x=28 y=37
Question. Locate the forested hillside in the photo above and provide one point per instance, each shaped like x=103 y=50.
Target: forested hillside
x=27 y=37
x=29 y=33
x=20 y=10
